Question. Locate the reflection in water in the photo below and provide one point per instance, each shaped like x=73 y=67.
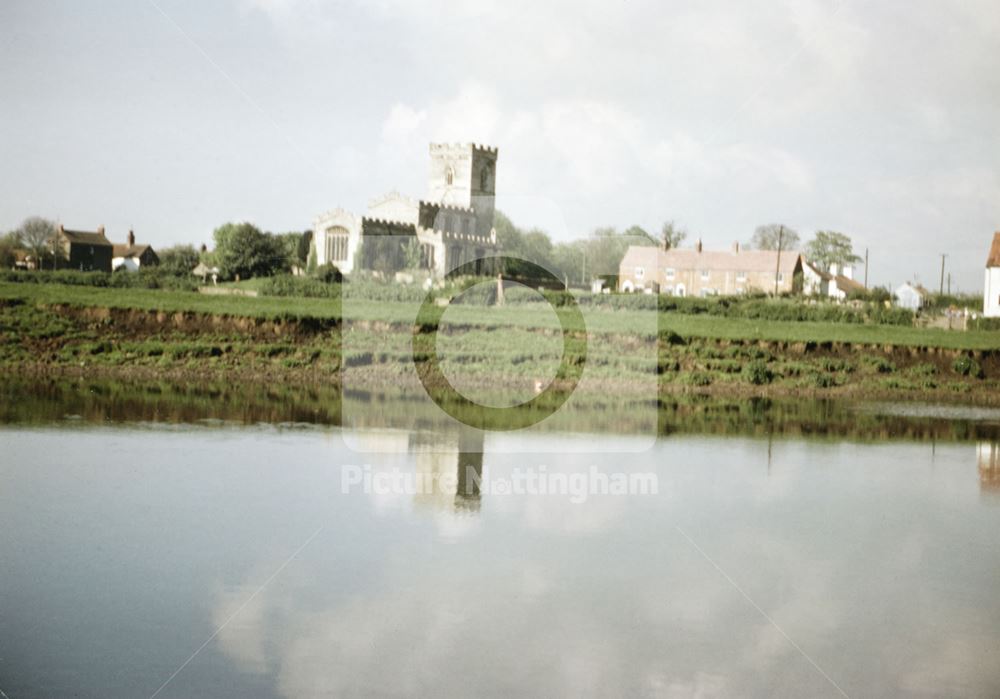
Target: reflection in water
x=879 y=567
x=452 y=464
x=989 y=466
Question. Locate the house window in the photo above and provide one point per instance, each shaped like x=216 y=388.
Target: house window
x=640 y=272
x=781 y=277
x=670 y=272
x=705 y=275
x=336 y=244
x=741 y=276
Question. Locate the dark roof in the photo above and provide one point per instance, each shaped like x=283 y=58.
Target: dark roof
x=993 y=260
x=126 y=250
x=86 y=238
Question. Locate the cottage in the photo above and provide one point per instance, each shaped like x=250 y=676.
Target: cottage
x=86 y=251
x=454 y=225
x=991 y=291
x=132 y=256
x=911 y=296
x=699 y=272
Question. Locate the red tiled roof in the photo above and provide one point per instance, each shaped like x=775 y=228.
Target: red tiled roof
x=993 y=259
x=733 y=261
x=126 y=250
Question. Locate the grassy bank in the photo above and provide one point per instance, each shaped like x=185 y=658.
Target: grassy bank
x=144 y=333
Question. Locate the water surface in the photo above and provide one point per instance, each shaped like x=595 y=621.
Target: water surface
x=205 y=559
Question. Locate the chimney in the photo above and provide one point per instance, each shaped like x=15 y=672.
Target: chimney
x=100 y=230
x=698 y=245
x=848 y=271
x=736 y=247
x=131 y=238
x=834 y=269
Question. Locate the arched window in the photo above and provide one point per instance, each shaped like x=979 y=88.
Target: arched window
x=336 y=244
x=449 y=176
x=484 y=179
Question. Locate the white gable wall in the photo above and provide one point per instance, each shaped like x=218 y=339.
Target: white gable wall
x=991 y=293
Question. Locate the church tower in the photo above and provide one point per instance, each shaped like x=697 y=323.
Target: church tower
x=464 y=175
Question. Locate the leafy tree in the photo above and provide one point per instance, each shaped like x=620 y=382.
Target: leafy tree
x=305 y=246
x=411 y=254
x=636 y=231
x=767 y=237
x=831 y=248
x=241 y=249
x=39 y=235
x=179 y=260
x=671 y=235
x=9 y=244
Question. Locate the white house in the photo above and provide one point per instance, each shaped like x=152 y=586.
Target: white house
x=991 y=291
x=835 y=284
x=911 y=296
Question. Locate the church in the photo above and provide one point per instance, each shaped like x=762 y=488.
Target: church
x=453 y=226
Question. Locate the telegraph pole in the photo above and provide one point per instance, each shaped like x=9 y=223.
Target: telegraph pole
x=777 y=271
x=866 y=268
x=943 y=255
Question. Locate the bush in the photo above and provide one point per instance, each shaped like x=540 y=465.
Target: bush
x=758 y=373
x=984 y=324
x=967 y=366
x=329 y=274
x=697 y=378
x=880 y=365
x=289 y=285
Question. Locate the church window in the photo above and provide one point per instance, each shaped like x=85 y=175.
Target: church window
x=336 y=244
x=449 y=176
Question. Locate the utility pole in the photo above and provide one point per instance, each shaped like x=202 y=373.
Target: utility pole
x=941 y=291
x=866 y=268
x=777 y=271
x=949 y=283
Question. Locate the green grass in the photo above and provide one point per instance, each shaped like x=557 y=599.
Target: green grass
x=171 y=301
x=616 y=322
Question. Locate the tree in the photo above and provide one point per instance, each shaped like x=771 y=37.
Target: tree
x=635 y=231
x=9 y=245
x=179 y=260
x=672 y=236
x=766 y=237
x=305 y=245
x=38 y=235
x=241 y=249
x=831 y=248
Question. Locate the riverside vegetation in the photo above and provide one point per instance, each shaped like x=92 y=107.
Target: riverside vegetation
x=88 y=324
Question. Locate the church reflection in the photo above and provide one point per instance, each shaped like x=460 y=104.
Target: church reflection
x=989 y=467
x=452 y=464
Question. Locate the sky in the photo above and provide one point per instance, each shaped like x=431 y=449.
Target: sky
x=172 y=117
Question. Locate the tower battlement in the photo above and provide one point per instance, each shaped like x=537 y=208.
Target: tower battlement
x=463 y=175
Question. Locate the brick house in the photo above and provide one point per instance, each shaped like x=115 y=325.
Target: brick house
x=699 y=272
x=86 y=251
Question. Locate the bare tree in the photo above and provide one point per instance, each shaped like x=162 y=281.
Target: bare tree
x=767 y=237
x=39 y=236
x=672 y=235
